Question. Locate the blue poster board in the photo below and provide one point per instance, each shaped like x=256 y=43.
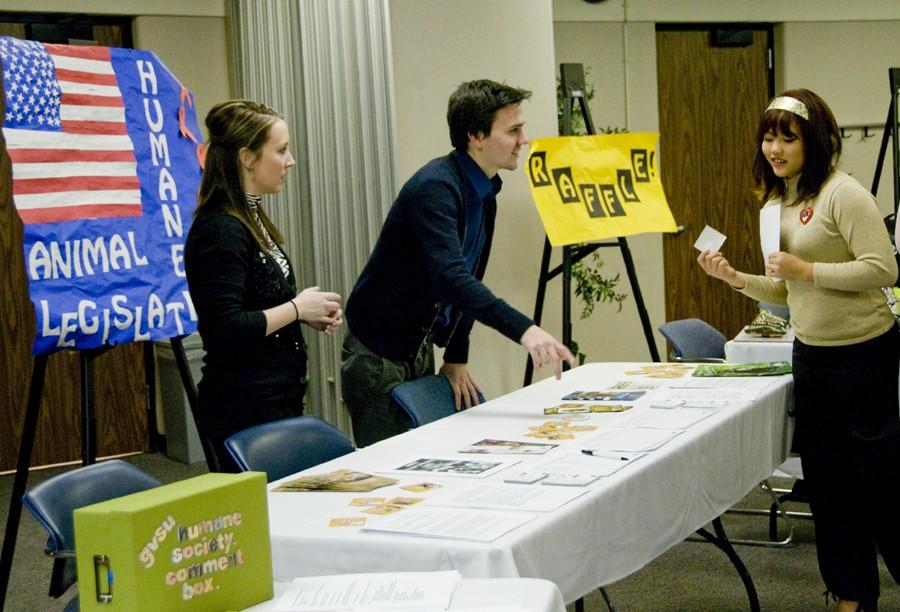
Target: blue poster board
x=106 y=169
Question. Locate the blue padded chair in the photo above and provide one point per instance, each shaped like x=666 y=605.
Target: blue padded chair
x=426 y=399
x=694 y=340
x=53 y=501
x=281 y=448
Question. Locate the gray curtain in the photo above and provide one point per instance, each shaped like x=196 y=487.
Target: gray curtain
x=326 y=66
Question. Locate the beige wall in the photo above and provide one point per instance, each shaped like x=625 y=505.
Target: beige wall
x=616 y=40
x=436 y=46
x=725 y=11
x=826 y=57
x=179 y=42
x=207 y=8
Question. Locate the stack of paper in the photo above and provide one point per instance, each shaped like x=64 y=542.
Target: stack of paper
x=507 y=497
x=387 y=591
x=452 y=523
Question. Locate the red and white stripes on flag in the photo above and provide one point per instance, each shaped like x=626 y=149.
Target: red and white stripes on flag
x=65 y=133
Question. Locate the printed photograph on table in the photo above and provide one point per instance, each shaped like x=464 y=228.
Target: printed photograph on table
x=574 y=409
x=604 y=396
x=510 y=447
x=340 y=480
x=448 y=466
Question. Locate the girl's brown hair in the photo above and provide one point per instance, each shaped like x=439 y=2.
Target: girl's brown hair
x=234 y=125
x=821 y=145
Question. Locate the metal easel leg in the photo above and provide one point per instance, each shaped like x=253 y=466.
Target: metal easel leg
x=26 y=444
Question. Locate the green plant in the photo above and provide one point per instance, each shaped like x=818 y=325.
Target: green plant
x=593 y=287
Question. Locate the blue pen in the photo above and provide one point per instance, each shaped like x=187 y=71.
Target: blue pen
x=605 y=454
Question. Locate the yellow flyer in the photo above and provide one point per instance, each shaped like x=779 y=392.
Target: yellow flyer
x=594 y=187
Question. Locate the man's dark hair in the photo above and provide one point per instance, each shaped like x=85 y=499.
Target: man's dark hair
x=472 y=107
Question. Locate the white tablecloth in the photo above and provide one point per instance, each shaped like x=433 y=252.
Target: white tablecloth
x=625 y=520
x=528 y=593
x=747 y=349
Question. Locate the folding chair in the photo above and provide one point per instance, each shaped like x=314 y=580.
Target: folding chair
x=53 y=502
x=284 y=447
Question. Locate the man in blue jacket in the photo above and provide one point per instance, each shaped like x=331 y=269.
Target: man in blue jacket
x=422 y=284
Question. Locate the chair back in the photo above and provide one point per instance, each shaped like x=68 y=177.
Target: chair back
x=426 y=399
x=53 y=502
x=694 y=339
x=281 y=448
x=779 y=311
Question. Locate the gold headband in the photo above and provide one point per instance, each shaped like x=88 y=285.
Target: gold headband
x=792 y=105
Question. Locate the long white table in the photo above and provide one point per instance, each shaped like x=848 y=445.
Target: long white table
x=622 y=523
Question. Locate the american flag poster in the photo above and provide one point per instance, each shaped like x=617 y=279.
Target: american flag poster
x=105 y=178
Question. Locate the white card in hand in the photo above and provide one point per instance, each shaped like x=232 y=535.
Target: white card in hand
x=709 y=240
x=770 y=231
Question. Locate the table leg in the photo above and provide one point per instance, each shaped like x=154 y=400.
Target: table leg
x=720 y=539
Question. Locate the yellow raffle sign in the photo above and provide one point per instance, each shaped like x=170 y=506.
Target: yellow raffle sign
x=593 y=187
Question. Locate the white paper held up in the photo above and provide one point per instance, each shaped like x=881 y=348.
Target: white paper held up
x=770 y=231
x=709 y=240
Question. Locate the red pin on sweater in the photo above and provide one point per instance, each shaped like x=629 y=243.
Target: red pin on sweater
x=806 y=215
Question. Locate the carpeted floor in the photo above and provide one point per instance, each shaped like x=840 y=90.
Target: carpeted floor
x=693 y=576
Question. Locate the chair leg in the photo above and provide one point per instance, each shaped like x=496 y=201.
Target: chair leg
x=772 y=542
x=796 y=493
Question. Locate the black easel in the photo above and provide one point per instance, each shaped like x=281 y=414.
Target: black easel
x=26 y=445
x=88 y=436
x=190 y=389
x=891 y=128
x=572 y=82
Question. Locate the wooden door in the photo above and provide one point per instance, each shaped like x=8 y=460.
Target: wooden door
x=710 y=101
x=119 y=385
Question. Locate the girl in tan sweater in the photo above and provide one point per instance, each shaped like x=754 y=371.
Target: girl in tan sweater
x=836 y=255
